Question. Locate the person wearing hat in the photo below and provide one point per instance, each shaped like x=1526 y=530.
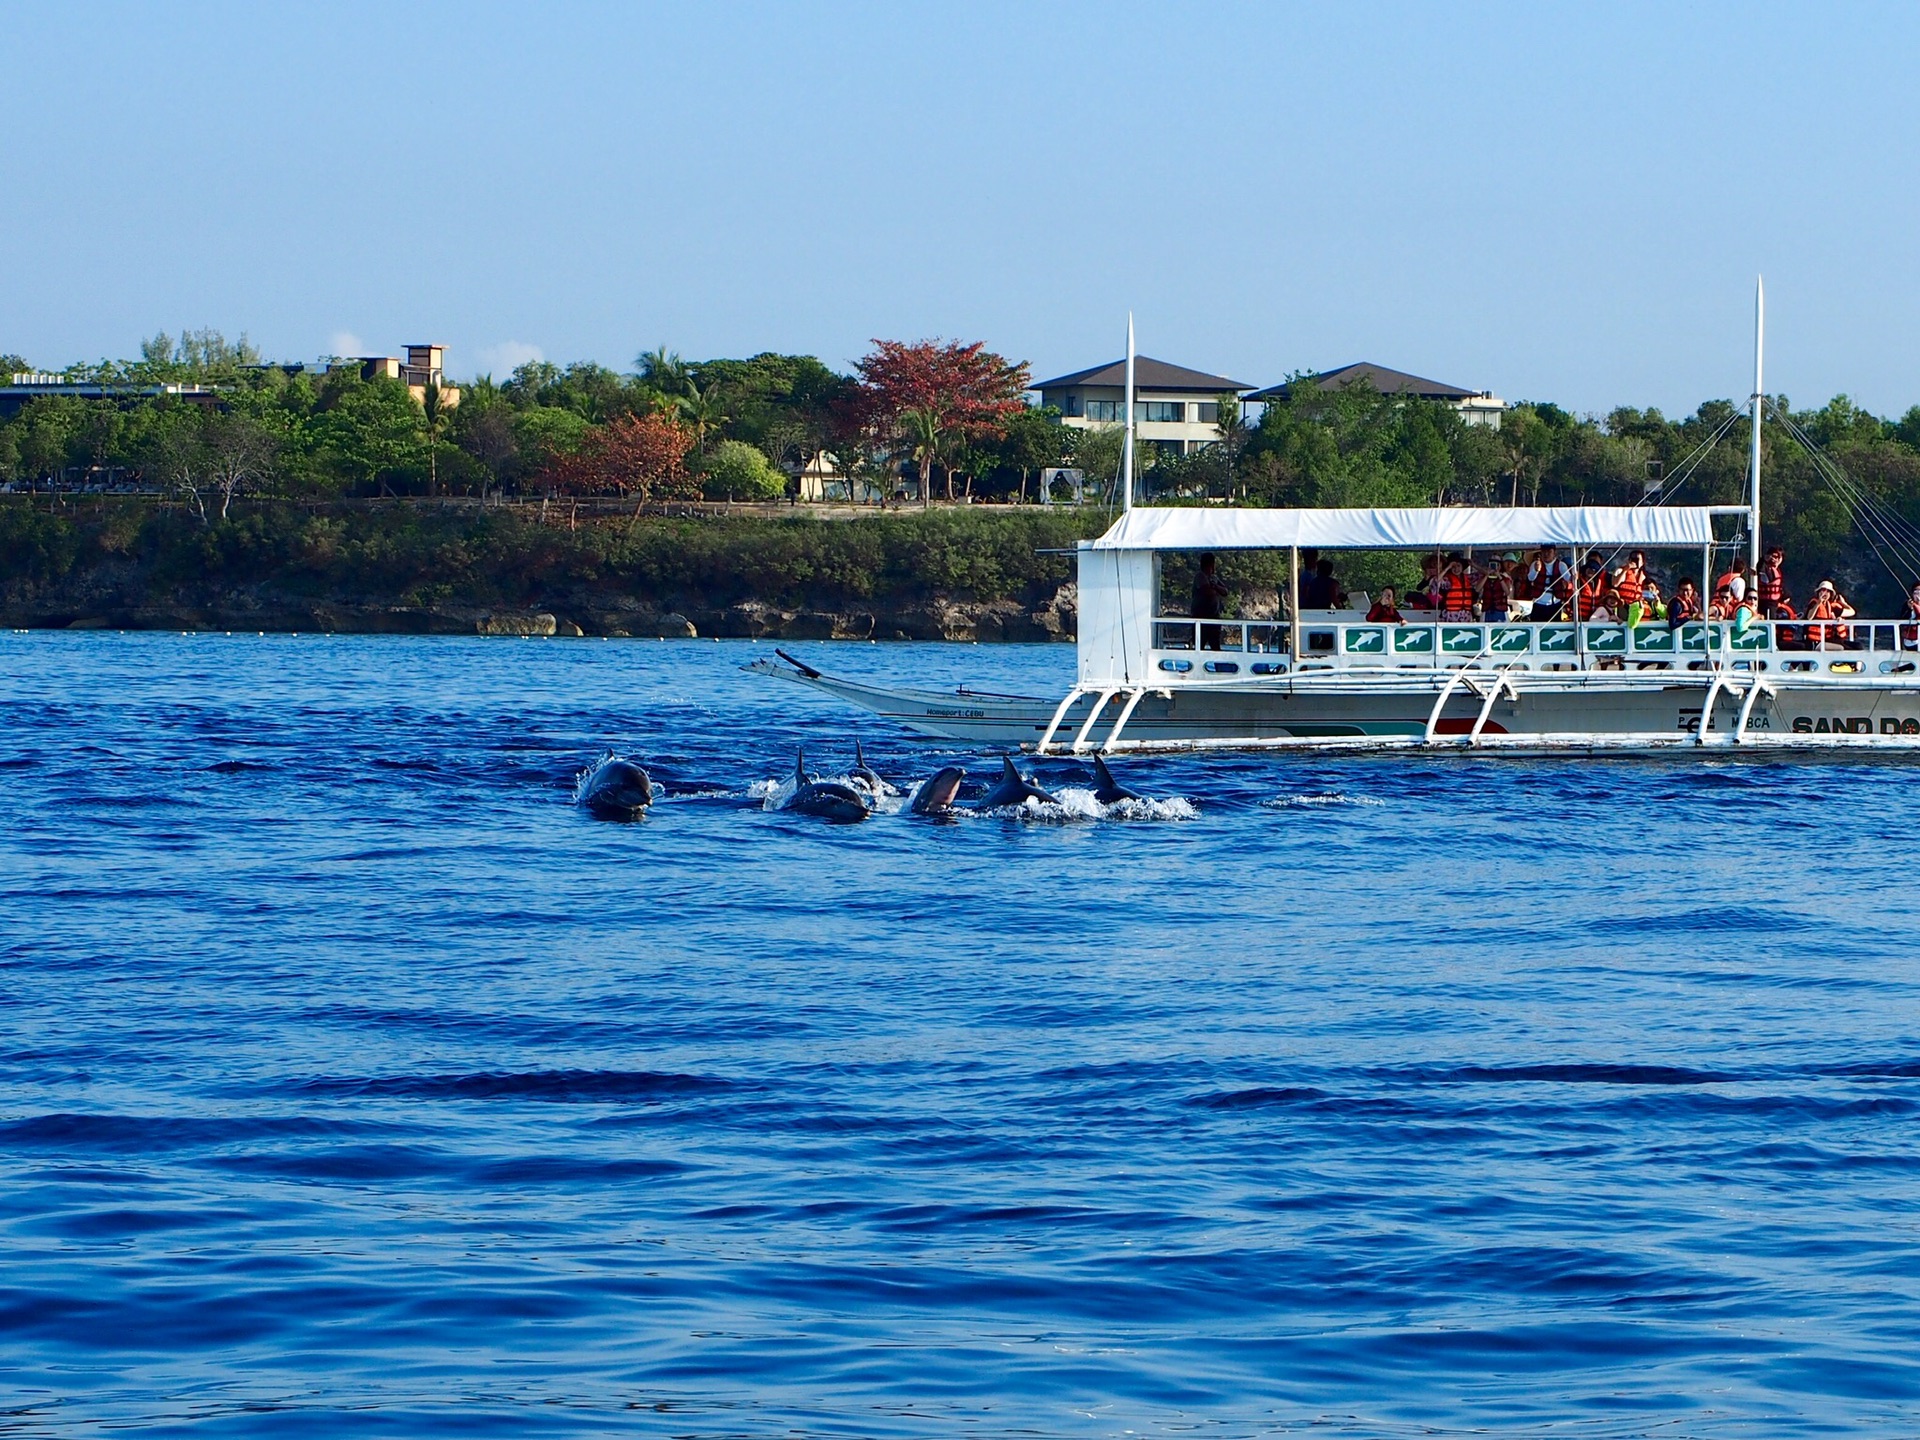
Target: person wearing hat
x=1828 y=604
x=1456 y=589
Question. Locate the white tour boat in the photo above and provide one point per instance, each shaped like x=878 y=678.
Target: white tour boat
x=1331 y=681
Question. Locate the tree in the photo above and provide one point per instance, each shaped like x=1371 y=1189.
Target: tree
x=929 y=396
x=639 y=456
x=200 y=454
x=700 y=412
x=371 y=433
x=239 y=451
x=664 y=372
x=1233 y=427
x=738 y=471
x=483 y=427
x=433 y=408
x=1033 y=439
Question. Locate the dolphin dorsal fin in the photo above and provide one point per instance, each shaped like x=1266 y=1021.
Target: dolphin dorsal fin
x=859 y=755
x=799 y=766
x=1100 y=769
x=1008 y=770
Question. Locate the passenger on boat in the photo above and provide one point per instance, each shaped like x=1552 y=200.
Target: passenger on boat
x=1496 y=592
x=1829 y=604
x=1653 y=605
x=1456 y=589
x=1384 y=611
x=1734 y=581
x=1548 y=575
x=1770 y=581
x=1209 y=594
x=1787 y=637
x=1594 y=585
x=1322 y=591
x=1910 y=634
x=1684 y=606
x=1630 y=580
x=1420 y=596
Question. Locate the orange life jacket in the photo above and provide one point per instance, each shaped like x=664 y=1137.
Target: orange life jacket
x=1632 y=584
x=1457 y=596
x=1825 y=607
x=1590 y=594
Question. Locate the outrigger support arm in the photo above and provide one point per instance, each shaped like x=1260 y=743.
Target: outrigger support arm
x=1126 y=714
x=1754 y=692
x=1061 y=714
x=1101 y=700
x=1504 y=683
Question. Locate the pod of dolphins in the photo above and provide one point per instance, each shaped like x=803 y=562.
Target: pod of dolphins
x=619 y=789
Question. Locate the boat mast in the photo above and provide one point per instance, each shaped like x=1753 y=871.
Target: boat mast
x=1126 y=442
x=1753 y=462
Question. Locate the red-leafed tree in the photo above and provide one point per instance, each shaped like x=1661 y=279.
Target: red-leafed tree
x=639 y=456
x=929 y=398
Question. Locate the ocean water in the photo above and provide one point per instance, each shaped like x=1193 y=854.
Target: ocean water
x=353 y=1082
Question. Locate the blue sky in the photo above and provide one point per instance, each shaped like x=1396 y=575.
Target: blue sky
x=1552 y=202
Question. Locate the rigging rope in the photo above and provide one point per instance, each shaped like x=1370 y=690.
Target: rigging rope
x=1885 y=530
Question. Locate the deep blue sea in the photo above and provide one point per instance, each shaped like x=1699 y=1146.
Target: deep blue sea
x=353 y=1082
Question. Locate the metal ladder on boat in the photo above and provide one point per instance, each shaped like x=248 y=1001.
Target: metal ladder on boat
x=1104 y=696
x=1729 y=681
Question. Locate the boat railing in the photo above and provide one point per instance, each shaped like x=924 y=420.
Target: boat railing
x=1346 y=642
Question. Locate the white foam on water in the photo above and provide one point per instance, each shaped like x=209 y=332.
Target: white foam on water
x=772 y=794
x=1076 y=805
x=1292 y=802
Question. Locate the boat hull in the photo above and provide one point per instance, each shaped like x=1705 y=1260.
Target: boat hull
x=1480 y=711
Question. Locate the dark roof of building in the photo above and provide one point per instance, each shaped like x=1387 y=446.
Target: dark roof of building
x=1148 y=374
x=1377 y=377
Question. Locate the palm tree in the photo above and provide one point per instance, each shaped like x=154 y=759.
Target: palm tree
x=926 y=442
x=700 y=413
x=433 y=401
x=664 y=371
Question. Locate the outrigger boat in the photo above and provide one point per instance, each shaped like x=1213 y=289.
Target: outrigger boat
x=1330 y=681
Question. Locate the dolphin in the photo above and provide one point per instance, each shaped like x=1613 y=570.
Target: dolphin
x=868 y=776
x=1014 y=789
x=936 y=795
x=826 y=799
x=1109 y=791
x=616 y=790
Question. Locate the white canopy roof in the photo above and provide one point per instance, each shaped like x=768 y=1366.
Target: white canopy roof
x=1195 y=528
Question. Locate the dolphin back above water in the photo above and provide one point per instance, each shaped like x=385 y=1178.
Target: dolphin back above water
x=1013 y=788
x=1107 y=790
x=824 y=799
x=866 y=775
x=616 y=789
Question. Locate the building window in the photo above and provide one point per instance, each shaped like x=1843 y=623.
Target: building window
x=1104 y=410
x=1209 y=412
x=1161 y=411
x=1070 y=407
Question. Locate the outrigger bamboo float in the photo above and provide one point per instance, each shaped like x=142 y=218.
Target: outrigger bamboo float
x=1329 y=681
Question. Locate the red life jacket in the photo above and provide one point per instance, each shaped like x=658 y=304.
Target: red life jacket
x=1457 y=597
x=1769 y=584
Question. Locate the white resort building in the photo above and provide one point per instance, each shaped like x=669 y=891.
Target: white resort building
x=1174 y=408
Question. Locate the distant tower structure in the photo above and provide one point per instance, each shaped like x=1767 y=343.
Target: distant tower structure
x=425 y=365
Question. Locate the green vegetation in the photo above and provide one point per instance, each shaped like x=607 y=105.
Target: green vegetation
x=120 y=556
x=260 y=474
